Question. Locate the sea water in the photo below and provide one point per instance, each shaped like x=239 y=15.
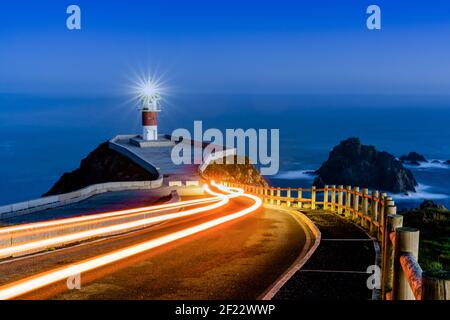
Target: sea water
x=42 y=137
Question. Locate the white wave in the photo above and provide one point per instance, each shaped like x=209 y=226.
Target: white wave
x=420 y=194
x=296 y=175
x=429 y=165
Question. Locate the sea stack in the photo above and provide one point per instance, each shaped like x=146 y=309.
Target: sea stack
x=355 y=164
x=413 y=157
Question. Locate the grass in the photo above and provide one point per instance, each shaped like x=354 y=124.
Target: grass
x=434 y=226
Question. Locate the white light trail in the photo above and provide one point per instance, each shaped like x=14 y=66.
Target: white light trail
x=147 y=209
x=78 y=236
x=21 y=287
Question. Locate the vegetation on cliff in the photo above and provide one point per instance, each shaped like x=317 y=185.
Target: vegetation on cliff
x=355 y=164
x=245 y=173
x=101 y=165
x=433 y=221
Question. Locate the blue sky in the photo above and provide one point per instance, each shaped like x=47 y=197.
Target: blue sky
x=226 y=46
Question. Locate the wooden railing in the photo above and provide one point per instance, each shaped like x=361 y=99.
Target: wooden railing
x=401 y=275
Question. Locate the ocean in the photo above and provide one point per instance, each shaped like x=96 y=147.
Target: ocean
x=42 y=137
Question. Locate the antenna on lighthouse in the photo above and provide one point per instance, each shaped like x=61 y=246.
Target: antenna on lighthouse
x=149 y=96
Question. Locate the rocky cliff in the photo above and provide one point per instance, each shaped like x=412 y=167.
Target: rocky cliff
x=239 y=173
x=101 y=165
x=352 y=163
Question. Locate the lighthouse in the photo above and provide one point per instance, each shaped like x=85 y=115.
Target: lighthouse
x=150 y=107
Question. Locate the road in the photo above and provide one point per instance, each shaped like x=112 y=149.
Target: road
x=117 y=200
x=238 y=259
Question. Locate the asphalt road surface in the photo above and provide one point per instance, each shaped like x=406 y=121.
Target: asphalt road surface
x=239 y=259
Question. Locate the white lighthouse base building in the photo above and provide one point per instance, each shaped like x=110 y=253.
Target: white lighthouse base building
x=150 y=133
x=161 y=140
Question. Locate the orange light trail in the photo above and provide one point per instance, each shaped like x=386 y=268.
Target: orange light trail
x=21 y=287
x=78 y=236
x=148 y=209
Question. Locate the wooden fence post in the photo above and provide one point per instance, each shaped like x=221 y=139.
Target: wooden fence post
x=388 y=202
x=288 y=202
x=382 y=217
x=278 y=196
x=355 y=203
x=436 y=285
x=365 y=207
x=393 y=222
x=340 y=198
x=325 y=198
x=313 y=197
x=406 y=241
x=348 y=200
x=333 y=198
x=373 y=210
x=299 y=197
x=272 y=194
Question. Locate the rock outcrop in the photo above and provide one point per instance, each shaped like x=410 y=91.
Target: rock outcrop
x=239 y=173
x=429 y=204
x=447 y=162
x=413 y=157
x=351 y=163
x=101 y=165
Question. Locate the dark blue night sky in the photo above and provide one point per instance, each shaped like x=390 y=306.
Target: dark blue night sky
x=226 y=46
x=310 y=68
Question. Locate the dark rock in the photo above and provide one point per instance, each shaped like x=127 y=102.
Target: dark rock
x=447 y=162
x=245 y=173
x=436 y=161
x=101 y=165
x=351 y=163
x=429 y=204
x=413 y=157
x=413 y=163
x=318 y=182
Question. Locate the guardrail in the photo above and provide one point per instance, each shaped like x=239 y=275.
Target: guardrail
x=10 y=237
x=401 y=275
x=26 y=207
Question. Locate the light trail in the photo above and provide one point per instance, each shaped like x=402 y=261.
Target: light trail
x=21 y=287
x=226 y=189
x=148 y=209
x=78 y=236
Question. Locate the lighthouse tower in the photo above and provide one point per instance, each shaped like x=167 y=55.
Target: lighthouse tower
x=150 y=108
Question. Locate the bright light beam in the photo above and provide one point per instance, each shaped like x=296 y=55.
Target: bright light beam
x=21 y=287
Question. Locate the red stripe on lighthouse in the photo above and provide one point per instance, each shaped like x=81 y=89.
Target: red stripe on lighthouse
x=149 y=118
